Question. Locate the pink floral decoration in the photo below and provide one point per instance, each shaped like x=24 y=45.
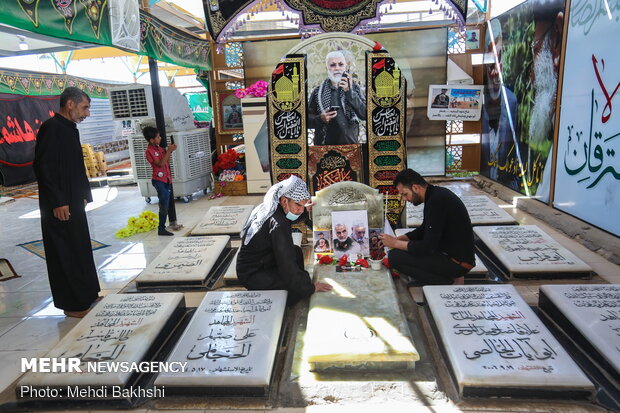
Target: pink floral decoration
x=258 y=89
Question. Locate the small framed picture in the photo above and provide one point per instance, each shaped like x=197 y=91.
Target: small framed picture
x=229 y=115
x=322 y=242
x=472 y=39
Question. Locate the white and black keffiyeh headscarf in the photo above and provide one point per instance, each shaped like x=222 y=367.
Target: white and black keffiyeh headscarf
x=291 y=188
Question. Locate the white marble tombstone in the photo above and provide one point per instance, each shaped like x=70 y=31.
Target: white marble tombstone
x=122 y=328
x=230 y=342
x=221 y=220
x=347 y=196
x=527 y=251
x=482 y=211
x=230 y=275
x=590 y=315
x=186 y=260
x=479 y=269
x=358 y=324
x=496 y=346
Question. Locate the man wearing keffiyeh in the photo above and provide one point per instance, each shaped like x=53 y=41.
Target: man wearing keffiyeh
x=337 y=105
x=268 y=259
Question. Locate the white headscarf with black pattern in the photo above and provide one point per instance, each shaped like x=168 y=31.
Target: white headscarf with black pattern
x=291 y=188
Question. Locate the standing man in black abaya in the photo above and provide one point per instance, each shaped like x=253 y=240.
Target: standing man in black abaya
x=64 y=192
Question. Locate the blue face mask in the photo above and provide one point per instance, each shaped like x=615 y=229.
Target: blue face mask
x=291 y=216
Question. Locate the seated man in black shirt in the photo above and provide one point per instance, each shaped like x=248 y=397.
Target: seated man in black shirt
x=268 y=259
x=441 y=250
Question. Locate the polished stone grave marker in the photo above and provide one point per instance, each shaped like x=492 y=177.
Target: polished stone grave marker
x=527 y=251
x=478 y=270
x=497 y=347
x=122 y=328
x=589 y=315
x=482 y=211
x=230 y=344
x=223 y=220
x=357 y=325
x=230 y=275
x=347 y=196
x=185 y=261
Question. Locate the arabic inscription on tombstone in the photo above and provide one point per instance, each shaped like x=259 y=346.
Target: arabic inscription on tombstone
x=121 y=328
x=593 y=311
x=184 y=260
x=231 y=341
x=219 y=220
x=526 y=249
x=497 y=346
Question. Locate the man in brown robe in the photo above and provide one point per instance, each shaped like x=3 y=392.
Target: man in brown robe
x=64 y=192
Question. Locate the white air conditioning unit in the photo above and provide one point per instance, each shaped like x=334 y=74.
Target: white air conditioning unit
x=190 y=164
x=136 y=102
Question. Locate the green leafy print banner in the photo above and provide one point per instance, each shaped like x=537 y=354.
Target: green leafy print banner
x=83 y=20
x=38 y=84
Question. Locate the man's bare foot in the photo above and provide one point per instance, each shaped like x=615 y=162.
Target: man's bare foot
x=76 y=314
x=459 y=281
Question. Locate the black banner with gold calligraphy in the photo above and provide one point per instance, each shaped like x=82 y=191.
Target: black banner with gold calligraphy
x=329 y=164
x=287 y=119
x=385 y=100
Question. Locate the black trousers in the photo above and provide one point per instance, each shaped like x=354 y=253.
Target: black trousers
x=269 y=279
x=434 y=269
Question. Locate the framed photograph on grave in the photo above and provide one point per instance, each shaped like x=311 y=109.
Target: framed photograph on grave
x=350 y=233
x=375 y=245
x=322 y=242
x=229 y=115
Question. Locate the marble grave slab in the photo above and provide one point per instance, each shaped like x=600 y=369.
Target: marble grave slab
x=223 y=220
x=589 y=315
x=122 y=328
x=230 y=275
x=497 y=347
x=482 y=211
x=528 y=251
x=185 y=261
x=478 y=270
x=358 y=325
x=230 y=344
x=347 y=196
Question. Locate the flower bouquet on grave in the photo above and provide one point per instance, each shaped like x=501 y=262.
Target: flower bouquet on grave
x=377 y=256
x=345 y=266
x=229 y=167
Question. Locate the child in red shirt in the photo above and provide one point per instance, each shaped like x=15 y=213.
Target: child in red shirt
x=159 y=158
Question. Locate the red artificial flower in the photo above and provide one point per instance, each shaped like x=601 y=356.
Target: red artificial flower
x=343 y=260
x=325 y=259
x=386 y=263
x=362 y=262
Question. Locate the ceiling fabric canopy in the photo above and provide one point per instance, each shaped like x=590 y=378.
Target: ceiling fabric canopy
x=328 y=15
x=90 y=22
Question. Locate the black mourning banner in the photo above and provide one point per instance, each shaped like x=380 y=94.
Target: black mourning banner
x=460 y=7
x=20 y=120
x=220 y=12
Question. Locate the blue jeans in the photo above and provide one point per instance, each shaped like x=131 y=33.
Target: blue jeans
x=166 y=203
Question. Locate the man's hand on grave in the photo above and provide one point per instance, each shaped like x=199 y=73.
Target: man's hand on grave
x=322 y=287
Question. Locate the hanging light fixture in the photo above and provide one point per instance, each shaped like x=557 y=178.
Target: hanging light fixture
x=23 y=45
